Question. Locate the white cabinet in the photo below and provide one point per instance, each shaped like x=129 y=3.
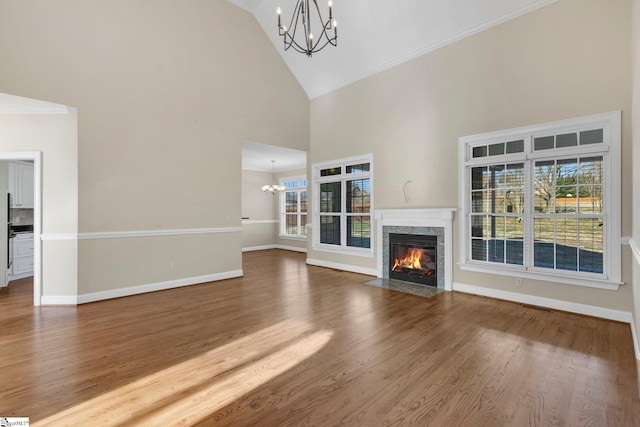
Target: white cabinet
x=21 y=184
x=22 y=265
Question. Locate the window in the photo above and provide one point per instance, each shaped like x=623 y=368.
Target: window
x=343 y=208
x=544 y=201
x=293 y=207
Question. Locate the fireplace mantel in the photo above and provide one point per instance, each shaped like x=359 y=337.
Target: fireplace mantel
x=418 y=218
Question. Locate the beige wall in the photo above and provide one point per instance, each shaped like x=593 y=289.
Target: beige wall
x=55 y=135
x=260 y=228
x=165 y=91
x=565 y=60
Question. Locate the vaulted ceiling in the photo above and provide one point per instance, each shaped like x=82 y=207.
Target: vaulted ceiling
x=375 y=35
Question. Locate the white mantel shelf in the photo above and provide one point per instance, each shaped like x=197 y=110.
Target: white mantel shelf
x=439 y=217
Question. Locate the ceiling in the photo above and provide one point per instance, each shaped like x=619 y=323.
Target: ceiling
x=258 y=157
x=375 y=35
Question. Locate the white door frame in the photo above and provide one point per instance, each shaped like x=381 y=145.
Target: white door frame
x=36 y=157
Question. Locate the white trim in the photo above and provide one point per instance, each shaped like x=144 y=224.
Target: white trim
x=430 y=48
x=13 y=104
x=59 y=300
x=159 y=286
x=538 y=275
x=267 y=247
x=259 y=221
x=634 y=335
x=343 y=178
x=293 y=238
x=572 y=307
x=36 y=157
x=343 y=267
x=635 y=250
x=610 y=122
x=59 y=236
x=137 y=233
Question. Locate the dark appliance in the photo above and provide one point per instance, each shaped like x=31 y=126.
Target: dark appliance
x=10 y=232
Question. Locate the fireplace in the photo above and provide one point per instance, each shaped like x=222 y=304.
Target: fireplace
x=428 y=229
x=413 y=258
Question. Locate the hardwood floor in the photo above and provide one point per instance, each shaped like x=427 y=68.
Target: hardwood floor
x=292 y=345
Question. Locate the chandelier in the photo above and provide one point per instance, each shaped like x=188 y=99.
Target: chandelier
x=273 y=188
x=301 y=22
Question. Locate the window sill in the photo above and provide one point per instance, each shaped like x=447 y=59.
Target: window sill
x=536 y=275
x=297 y=238
x=365 y=253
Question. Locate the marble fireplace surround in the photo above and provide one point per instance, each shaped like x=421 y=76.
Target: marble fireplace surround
x=438 y=222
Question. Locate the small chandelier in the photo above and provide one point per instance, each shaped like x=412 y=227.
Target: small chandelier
x=308 y=43
x=273 y=188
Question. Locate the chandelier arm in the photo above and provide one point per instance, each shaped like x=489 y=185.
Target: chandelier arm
x=302 y=12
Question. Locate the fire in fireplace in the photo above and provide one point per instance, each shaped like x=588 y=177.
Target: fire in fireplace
x=413 y=258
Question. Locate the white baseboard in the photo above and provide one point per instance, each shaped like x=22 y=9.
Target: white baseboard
x=59 y=300
x=265 y=247
x=344 y=267
x=572 y=307
x=258 y=248
x=151 y=287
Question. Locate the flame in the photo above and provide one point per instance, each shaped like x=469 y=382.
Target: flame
x=411 y=261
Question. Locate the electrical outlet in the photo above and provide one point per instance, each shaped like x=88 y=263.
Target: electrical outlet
x=519 y=282
x=173 y=265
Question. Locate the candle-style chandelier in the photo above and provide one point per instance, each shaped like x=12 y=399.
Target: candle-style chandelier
x=301 y=22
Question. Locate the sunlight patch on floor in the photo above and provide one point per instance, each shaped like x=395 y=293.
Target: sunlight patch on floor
x=190 y=391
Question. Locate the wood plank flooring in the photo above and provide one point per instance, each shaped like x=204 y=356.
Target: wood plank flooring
x=296 y=345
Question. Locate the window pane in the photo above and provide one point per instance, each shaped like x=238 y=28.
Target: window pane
x=514 y=248
x=303 y=225
x=478 y=177
x=545 y=173
x=359 y=231
x=496 y=149
x=291 y=184
x=358 y=196
x=330 y=230
x=515 y=146
x=479 y=151
x=591 y=203
x=591 y=245
x=330 y=197
x=364 y=167
x=514 y=201
x=479 y=249
x=566 y=140
x=479 y=225
x=291 y=201
x=330 y=171
x=303 y=201
x=543 y=254
x=496 y=176
x=566 y=244
x=291 y=224
x=543 y=143
x=591 y=137
x=481 y=201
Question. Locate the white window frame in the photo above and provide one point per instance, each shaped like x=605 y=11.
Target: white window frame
x=343 y=178
x=282 y=207
x=610 y=150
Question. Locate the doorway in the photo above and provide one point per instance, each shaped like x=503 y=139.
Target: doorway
x=36 y=158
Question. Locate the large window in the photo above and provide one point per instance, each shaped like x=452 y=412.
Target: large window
x=544 y=201
x=343 y=212
x=293 y=207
